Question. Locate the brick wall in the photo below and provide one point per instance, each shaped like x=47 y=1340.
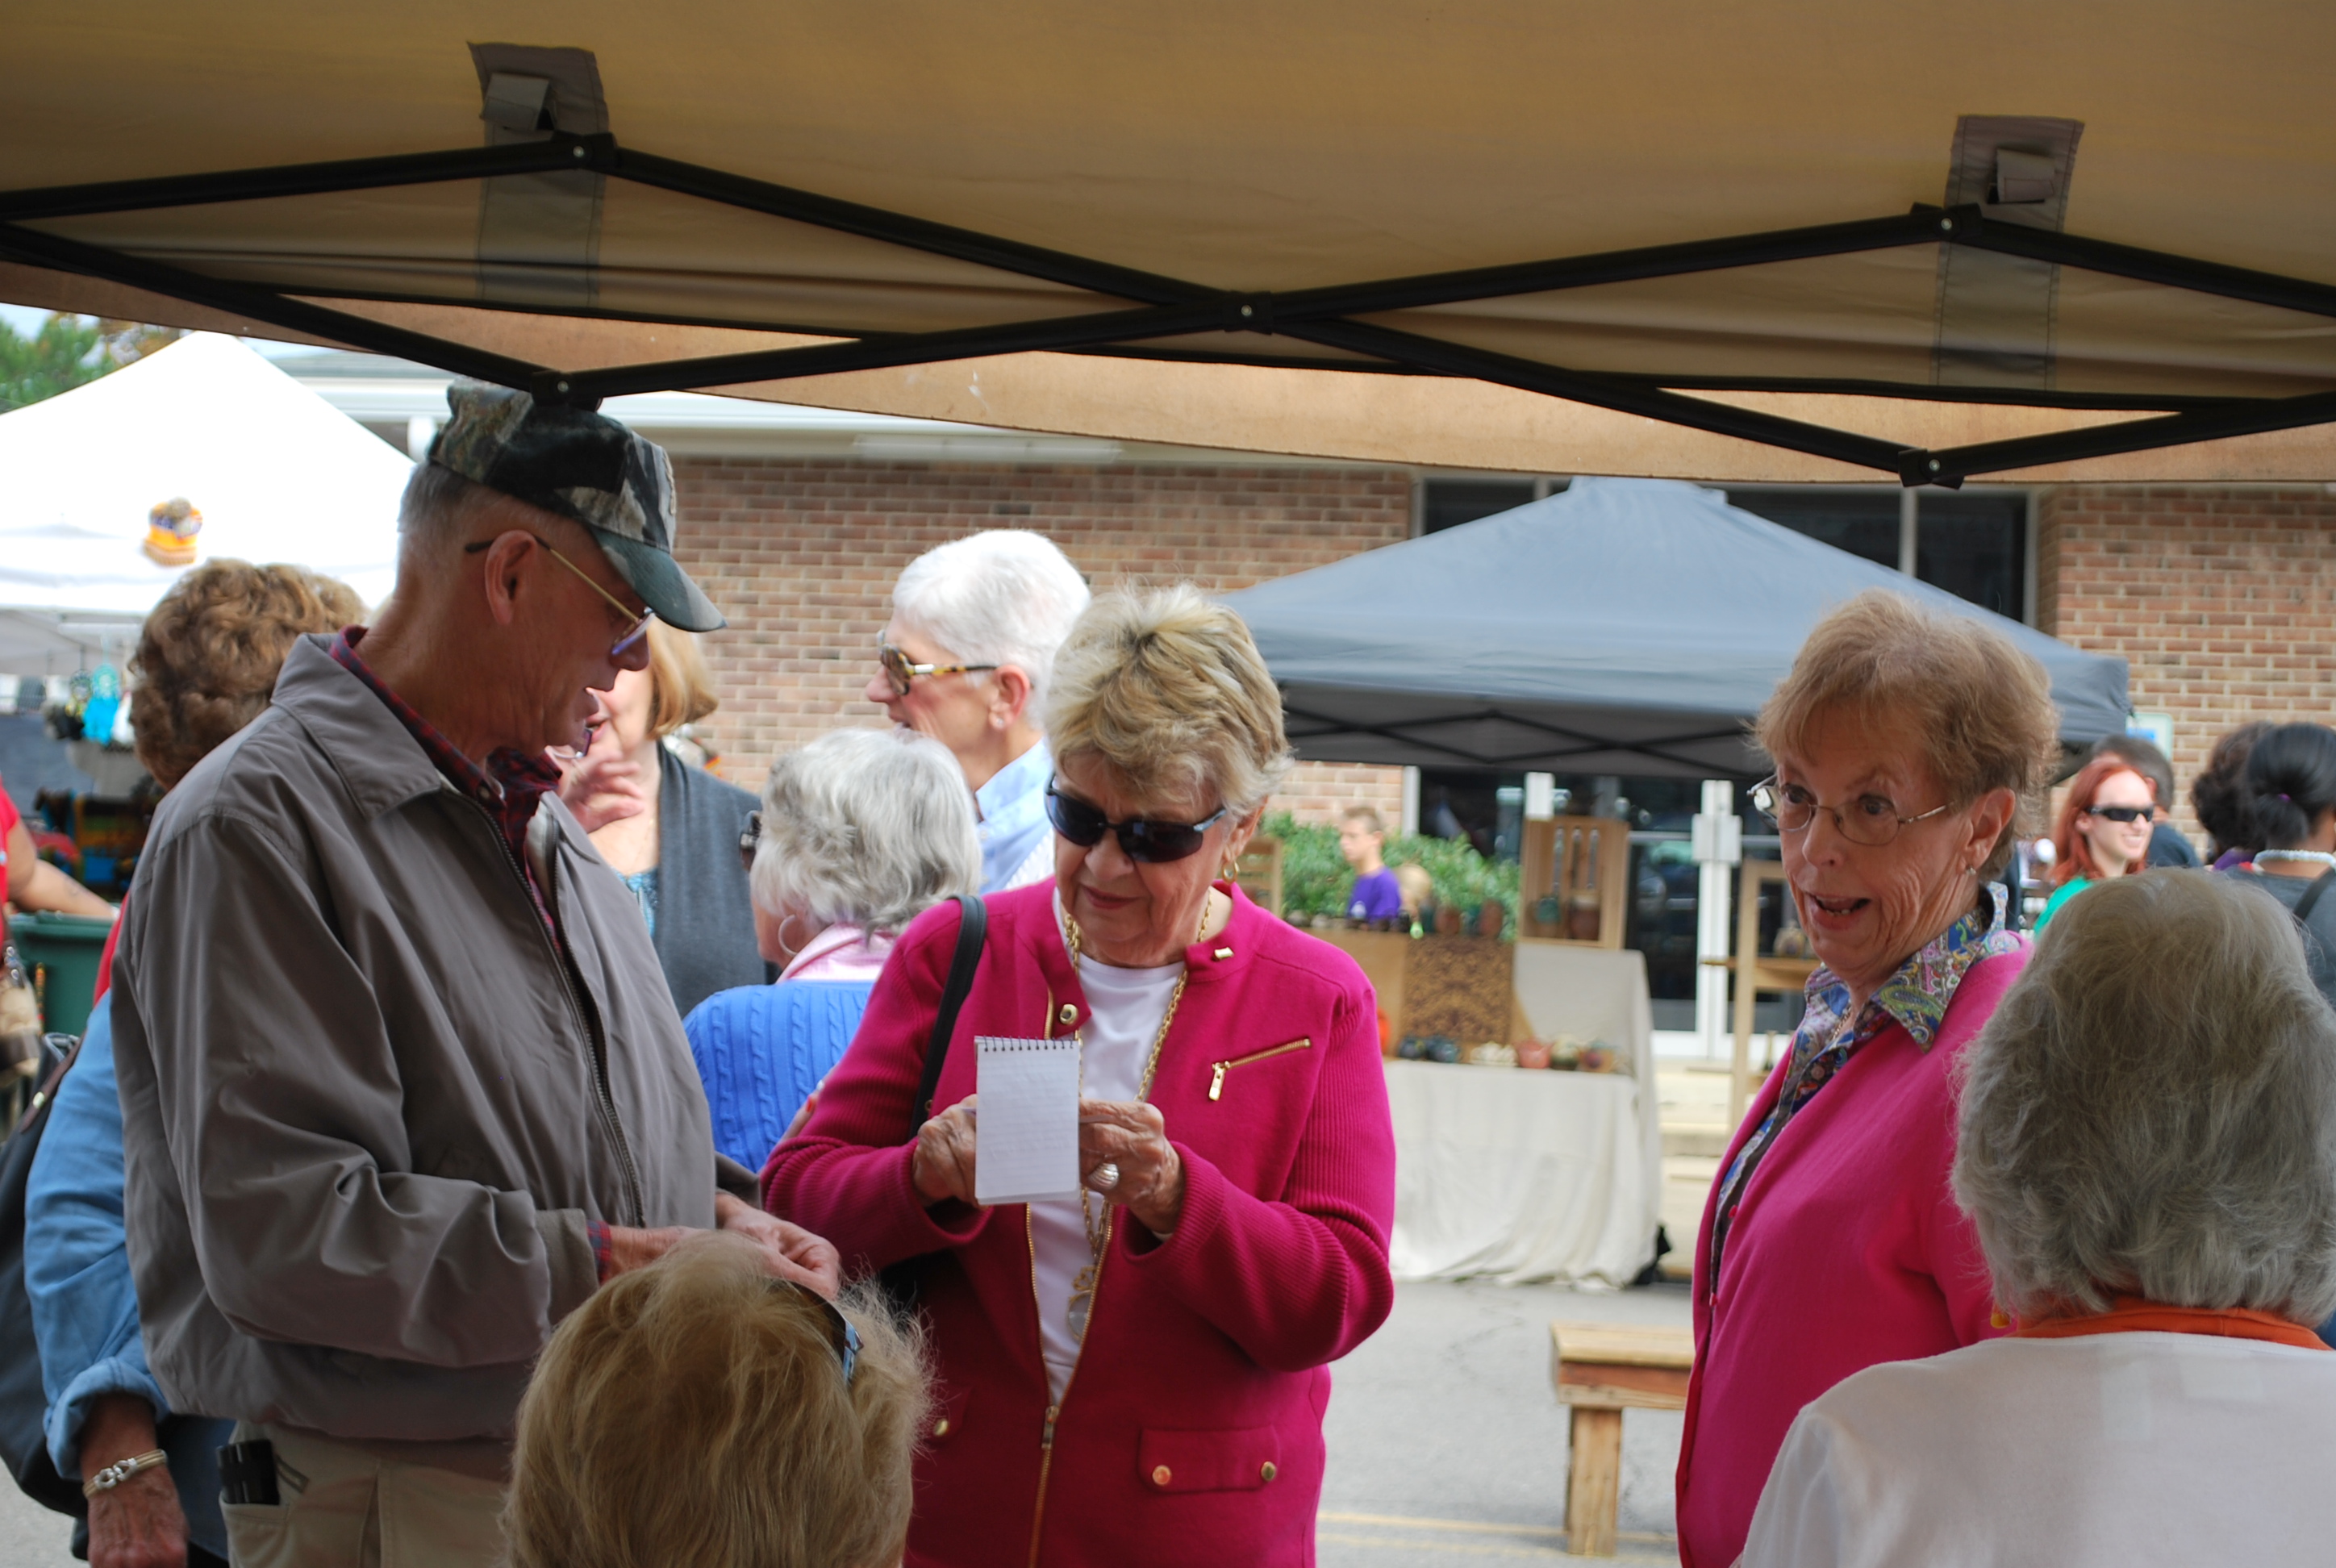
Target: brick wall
x=800 y=555
x=2223 y=601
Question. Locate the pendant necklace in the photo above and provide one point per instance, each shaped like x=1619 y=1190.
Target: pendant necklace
x=1098 y=1227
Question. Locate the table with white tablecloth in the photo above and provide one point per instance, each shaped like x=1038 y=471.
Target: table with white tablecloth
x=1523 y=1176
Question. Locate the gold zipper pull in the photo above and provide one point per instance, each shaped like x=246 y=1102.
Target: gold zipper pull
x=1217 y=1080
x=1046 y=1443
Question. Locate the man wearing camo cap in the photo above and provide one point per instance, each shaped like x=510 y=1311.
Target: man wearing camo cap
x=401 y=1081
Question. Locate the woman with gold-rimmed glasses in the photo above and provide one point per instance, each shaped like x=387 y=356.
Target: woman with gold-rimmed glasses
x=1903 y=739
x=964 y=658
x=1135 y=1376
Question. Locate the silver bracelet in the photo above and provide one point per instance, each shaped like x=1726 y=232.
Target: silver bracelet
x=113 y=1475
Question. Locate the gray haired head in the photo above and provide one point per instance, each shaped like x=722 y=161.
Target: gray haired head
x=866 y=827
x=2152 y=1109
x=1004 y=596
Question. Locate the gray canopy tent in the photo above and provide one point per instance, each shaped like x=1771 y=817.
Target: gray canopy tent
x=1626 y=626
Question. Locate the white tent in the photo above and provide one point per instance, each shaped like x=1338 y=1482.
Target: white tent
x=277 y=472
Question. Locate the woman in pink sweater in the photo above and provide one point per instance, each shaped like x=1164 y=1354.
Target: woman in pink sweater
x=1904 y=739
x=1136 y=1375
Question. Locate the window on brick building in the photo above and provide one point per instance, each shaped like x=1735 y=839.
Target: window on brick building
x=1449 y=502
x=1975 y=545
x=1865 y=522
x=1972 y=543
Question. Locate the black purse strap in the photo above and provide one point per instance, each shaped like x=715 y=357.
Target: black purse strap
x=972 y=927
x=2311 y=895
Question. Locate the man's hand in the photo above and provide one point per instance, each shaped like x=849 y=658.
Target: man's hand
x=138 y=1524
x=630 y=1249
x=943 y=1165
x=789 y=1251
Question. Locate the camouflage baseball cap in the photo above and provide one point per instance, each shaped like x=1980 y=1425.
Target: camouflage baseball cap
x=585 y=466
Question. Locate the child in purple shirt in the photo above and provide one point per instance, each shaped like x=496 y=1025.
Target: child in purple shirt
x=1377 y=896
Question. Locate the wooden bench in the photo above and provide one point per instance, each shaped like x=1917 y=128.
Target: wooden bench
x=1603 y=1369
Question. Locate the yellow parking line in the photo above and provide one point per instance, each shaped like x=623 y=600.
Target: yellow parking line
x=1402 y=1521
x=1465 y=1548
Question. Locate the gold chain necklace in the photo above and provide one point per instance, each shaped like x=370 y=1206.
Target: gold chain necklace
x=1083 y=1284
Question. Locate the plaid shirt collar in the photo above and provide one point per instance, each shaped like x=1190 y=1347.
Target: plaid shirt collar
x=1917 y=995
x=509 y=787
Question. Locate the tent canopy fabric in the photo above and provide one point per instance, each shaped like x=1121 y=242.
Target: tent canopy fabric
x=1580 y=228
x=1629 y=627
x=279 y=474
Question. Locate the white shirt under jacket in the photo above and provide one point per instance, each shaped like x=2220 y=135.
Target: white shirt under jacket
x=1124 y=1008
x=2110 y=1449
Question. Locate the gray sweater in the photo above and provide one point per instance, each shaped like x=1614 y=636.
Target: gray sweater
x=706 y=921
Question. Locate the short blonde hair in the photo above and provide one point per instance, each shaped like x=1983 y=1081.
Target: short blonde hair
x=1169 y=691
x=695 y=1411
x=681 y=688
x=1981 y=708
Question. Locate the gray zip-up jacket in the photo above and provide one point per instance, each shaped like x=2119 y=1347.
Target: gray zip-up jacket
x=368 y=1108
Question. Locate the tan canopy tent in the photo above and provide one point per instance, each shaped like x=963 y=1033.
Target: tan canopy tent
x=1802 y=239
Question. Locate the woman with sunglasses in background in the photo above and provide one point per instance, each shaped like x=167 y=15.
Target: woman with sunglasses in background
x=1904 y=739
x=2104 y=829
x=1137 y=1375
x=860 y=833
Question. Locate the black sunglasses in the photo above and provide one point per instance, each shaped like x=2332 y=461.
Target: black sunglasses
x=1143 y=840
x=840 y=1331
x=748 y=838
x=2123 y=813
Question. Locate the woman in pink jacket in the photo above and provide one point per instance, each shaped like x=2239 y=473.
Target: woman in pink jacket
x=1904 y=739
x=1136 y=1376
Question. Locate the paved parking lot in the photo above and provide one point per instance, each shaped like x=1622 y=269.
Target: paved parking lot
x=1447 y=1447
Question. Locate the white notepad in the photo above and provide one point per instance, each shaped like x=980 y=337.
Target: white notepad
x=1025 y=1140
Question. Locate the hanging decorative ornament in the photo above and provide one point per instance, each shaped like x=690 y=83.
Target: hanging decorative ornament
x=170 y=530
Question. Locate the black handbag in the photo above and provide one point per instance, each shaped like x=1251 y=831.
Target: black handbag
x=23 y=1404
x=903 y=1282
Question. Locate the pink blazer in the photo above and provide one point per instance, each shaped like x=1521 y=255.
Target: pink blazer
x=1191 y=1432
x=1847 y=1248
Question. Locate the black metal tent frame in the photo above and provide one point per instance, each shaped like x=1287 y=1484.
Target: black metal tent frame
x=1166 y=308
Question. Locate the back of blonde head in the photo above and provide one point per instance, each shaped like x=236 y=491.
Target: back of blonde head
x=695 y=1412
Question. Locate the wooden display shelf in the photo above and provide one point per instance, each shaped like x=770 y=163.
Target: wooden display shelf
x=1582 y=863
x=1258 y=872
x=1755 y=972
